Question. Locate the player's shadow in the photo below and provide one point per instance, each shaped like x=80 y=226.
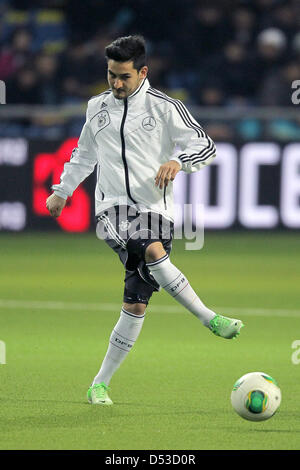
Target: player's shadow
x=52 y=416
x=45 y=401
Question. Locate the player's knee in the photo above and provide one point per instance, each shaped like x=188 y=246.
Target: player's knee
x=136 y=309
x=154 y=251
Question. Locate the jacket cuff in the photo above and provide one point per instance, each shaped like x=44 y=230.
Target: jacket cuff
x=176 y=159
x=58 y=192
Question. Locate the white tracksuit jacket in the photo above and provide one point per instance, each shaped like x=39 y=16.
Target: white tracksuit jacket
x=129 y=140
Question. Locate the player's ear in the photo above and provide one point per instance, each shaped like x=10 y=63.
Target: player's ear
x=143 y=72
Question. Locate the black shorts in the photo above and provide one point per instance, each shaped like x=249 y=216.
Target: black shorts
x=128 y=232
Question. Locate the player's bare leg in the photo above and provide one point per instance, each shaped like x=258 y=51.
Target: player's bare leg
x=136 y=309
x=175 y=283
x=154 y=252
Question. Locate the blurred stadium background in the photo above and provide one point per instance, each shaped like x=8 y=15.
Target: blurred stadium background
x=233 y=64
x=236 y=66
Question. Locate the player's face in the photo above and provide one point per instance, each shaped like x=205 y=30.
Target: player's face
x=123 y=78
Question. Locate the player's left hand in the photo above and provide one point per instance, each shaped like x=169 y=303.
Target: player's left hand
x=166 y=173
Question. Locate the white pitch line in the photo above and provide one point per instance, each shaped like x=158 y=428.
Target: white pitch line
x=60 y=305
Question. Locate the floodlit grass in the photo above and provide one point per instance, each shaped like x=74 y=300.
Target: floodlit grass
x=60 y=296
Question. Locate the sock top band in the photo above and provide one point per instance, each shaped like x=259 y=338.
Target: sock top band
x=132 y=314
x=160 y=260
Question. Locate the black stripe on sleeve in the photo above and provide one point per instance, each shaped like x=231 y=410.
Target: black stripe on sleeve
x=182 y=111
x=206 y=152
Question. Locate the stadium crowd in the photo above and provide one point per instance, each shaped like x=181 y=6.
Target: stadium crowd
x=228 y=53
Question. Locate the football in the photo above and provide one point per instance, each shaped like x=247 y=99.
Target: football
x=256 y=396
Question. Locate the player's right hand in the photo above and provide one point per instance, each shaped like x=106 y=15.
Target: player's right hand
x=166 y=173
x=55 y=205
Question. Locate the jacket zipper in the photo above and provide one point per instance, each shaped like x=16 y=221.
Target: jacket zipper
x=98 y=181
x=165 y=201
x=124 y=151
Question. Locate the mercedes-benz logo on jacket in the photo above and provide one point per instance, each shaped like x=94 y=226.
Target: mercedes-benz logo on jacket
x=149 y=123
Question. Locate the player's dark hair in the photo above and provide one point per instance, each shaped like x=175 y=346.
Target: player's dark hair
x=126 y=49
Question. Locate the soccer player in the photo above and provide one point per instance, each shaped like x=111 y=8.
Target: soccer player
x=139 y=138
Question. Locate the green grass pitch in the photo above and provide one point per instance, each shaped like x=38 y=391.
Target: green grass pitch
x=60 y=296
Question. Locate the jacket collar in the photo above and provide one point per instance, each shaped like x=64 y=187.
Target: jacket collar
x=141 y=90
x=138 y=94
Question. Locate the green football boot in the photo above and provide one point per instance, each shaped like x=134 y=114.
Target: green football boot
x=97 y=395
x=225 y=327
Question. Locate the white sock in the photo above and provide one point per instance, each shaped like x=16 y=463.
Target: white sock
x=175 y=283
x=122 y=339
